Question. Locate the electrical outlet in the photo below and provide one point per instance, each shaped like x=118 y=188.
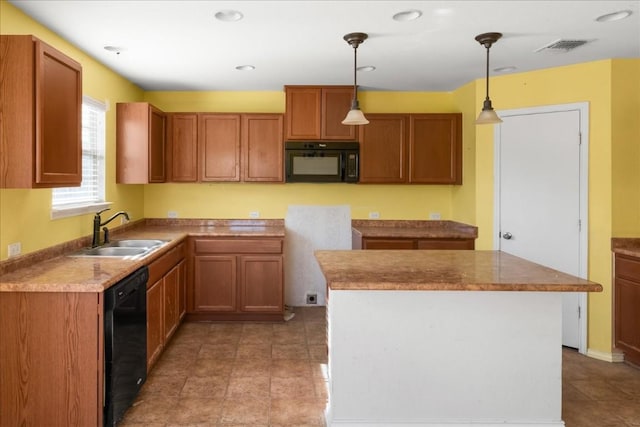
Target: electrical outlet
x=254 y=214
x=312 y=298
x=14 y=249
x=172 y=214
x=374 y=215
x=434 y=215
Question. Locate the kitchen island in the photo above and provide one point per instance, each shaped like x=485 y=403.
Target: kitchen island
x=453 y=338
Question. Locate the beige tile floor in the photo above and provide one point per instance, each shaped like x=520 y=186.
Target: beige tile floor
x=274 y=375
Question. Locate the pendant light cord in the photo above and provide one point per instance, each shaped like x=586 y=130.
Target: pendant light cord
x=355 y=77
x=488 y=46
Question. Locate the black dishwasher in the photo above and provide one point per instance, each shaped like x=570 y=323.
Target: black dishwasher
x=125 y=343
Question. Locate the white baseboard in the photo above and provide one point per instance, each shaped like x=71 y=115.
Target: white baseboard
x=614 y=357
x=448 y=424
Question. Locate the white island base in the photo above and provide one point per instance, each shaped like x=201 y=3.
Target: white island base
x=444 y=358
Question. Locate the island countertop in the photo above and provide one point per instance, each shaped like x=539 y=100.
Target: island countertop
x=443 y=270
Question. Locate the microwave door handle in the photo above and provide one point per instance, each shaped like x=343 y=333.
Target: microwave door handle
x=343 y=166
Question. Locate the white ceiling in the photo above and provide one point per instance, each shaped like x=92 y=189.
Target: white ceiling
x=179 y=45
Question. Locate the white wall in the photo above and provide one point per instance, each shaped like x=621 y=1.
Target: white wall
x=310 y=228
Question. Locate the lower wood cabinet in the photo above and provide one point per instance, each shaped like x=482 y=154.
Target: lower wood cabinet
x=627 y=304
x=236 y=278
x=51 y=358
x=391 y=243
x=165 y=301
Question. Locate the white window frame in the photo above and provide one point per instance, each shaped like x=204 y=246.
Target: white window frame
x=62 y=208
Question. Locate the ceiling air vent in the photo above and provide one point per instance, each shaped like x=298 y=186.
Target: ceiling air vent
x=562 y=45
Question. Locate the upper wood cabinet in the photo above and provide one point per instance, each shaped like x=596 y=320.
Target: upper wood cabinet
x=262 y=148
x=411 y=148
x=182 y=147
x=384 y=148
x=316 y=113
x=140 y=143
x=225 y=147
x=40 y=124
x=435 y=148
x=219 y=147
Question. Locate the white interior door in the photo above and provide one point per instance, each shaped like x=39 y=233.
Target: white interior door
x=539 y=191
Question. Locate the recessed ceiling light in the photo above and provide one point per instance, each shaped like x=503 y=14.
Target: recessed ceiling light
x=114 y=49
x=407 y=15
x=366 y=68
x=615 y=16
x=442 y=11
x=245 y=67
x=505 y=69
x=229 y=15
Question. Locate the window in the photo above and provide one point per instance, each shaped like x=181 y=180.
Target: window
x=89 y=197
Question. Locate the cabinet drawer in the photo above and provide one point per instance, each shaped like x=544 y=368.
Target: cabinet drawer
x=162 y=265
x=445 y=244
x=235 y=246
x=628 y=267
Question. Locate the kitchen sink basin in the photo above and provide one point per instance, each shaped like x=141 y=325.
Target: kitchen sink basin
x=114 y=251
x=130 y=248
x=135 y=243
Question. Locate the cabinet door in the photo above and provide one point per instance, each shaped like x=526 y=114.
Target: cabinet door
x=435 y=149
x=170 y=290
x=261 y=283
x=383 y=149
x=627 y=301
x=40 y=108
x=262 y=147
x=336 y=103
x=58 y=117
x=219 y=147
x=155 y=323
x=182 y=131
x=303 y=113
x=182 y=289
x=214 y=283
x=156 y=145
x=388 y=244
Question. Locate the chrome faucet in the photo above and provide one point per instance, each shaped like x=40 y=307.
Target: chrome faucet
x=97 y=223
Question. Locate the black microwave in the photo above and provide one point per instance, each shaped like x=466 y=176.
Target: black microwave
x=321 y=161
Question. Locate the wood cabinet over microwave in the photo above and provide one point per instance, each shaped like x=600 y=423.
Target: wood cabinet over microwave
x=41 y=107
x=140 y=143
x=316 y=113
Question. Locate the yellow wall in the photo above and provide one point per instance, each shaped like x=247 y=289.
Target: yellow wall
x=605 y=86
x=25 y=214
x=625 y=139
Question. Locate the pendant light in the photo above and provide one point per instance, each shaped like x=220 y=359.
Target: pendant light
x=488 y=114
x=355 y=116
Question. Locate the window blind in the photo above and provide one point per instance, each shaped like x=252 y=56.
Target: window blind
x=93 y=161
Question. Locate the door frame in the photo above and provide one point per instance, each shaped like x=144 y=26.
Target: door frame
x=583 y=109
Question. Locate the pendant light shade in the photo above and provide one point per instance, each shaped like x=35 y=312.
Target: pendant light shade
x=355 y=116
x=488 y=114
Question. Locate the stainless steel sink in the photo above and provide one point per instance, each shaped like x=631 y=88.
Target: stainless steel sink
x=135 y=243
x=114 y=251
x=130 y=248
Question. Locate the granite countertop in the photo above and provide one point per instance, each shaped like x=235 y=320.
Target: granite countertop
x=53 y=270
x=626 y=246
x=416 y=229
x=443 y=270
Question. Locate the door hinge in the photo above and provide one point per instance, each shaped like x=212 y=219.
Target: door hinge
x=579 y=138
x=579 y=225
x=579 y=312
